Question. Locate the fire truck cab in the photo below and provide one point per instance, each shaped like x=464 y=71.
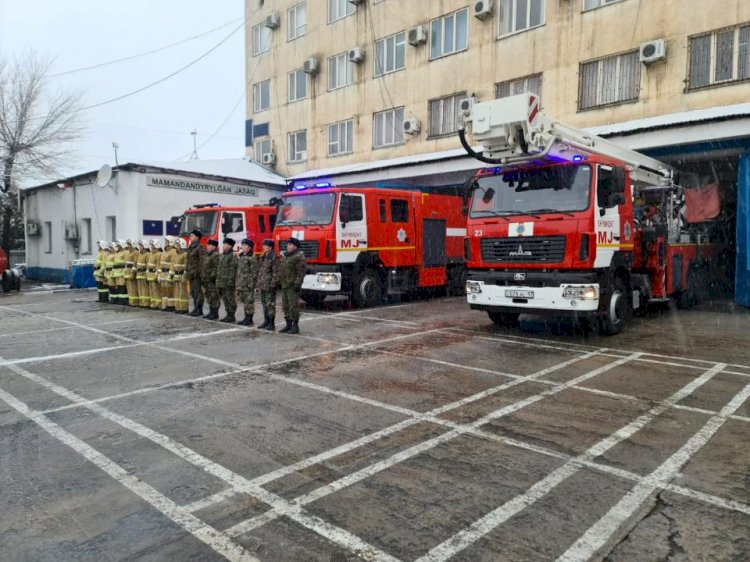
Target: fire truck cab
x=567 y=222
x=217 y=222
x=368 y=242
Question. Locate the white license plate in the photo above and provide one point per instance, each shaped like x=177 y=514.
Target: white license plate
x=516 y=294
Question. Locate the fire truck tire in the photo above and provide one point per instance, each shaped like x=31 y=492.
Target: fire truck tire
x=617 y=310
x=507 y=319
x=367 y=289
x=313 y=299
x=695 y=290
x=457 y=277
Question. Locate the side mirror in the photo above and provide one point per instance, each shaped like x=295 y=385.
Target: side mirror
x=615 y=199
x=618 y=180
x=488 y=195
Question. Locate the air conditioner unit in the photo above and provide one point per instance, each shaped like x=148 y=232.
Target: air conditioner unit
x=652 y=51
x=417 y=35
x=466 y=104
x=355 y=2
x=356 y=55
x=71 y=232
x=482 y=9
x=273 y=21
x=268 y=159
x=311 y=66
x=411 y=126
x=32 y=228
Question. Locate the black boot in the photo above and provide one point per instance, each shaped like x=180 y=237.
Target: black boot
x=213 y=313
x=295 y=327
x=265 y=322
x=286 y=328
x=197 y=310
x=229 y=318
x=247 y=321
x=271 y=326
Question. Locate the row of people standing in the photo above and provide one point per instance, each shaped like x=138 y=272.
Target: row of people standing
x=223 y=277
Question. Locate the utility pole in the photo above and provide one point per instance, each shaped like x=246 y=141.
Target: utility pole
x=115 y=146
x=194 y=155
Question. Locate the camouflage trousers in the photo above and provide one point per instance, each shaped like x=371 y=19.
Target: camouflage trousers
x=268 y=300
x=228 y=298
x=247 y=299
x=211 y=293
x=196 y=291
x=290 y=302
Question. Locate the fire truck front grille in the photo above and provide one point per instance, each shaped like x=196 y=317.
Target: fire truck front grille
x=309 y=248
x=532 y=249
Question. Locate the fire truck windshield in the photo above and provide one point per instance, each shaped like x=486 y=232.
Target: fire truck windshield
x=556 y=189
x=205 y=221
x=313 y=208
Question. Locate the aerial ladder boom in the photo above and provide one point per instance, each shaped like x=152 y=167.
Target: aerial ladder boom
x=513 y=130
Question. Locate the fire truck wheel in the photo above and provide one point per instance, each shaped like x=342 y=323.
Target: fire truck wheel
x=368 y=289
x=313 y=299
x=503 y=318
x=617 y=310
x=7 y=282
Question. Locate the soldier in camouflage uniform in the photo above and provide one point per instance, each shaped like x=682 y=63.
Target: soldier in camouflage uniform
x=268 y=284
x=193 y=271
x=208 y=278
x=247 y=276
x=226 y=276
x=292 y=270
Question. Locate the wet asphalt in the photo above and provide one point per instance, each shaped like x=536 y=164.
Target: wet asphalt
x=413 y=431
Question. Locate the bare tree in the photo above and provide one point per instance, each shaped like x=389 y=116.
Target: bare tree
x=38 y=128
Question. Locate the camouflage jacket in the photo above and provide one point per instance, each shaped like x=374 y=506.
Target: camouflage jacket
x=226 y=272
x=209 y=265
x=247 y=272
x=292 y=270
x=268 y=272
x=195 y=253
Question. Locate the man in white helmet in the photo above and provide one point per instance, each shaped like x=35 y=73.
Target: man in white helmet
x=181 y=283
x=99 y=271
x=141 y=273
x=131 y=284
x=152 y=274
x=167 y=285
x=118 y=272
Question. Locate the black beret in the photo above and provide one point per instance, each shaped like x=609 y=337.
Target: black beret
x=229 y=241
x=247 y=242
x=197 y=232
x=268 y=242
x=293 y=240
x=213 y=242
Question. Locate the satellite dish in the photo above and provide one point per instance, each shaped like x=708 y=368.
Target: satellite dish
x=104 y=175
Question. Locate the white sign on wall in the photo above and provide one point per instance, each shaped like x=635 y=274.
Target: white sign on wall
x=199 y=186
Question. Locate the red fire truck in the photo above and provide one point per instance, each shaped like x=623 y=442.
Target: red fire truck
x=11 y=277
x=217 y=222
x=566 y=222
x=368 y=242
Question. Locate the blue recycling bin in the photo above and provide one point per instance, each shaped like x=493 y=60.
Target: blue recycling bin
x=82 y=276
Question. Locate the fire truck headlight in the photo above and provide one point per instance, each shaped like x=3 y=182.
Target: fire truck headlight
x=474 y=287
x=583 y=292
x=328 y=278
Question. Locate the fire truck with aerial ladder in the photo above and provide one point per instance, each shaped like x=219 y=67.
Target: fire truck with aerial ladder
x=565 y=222
x=368 y=242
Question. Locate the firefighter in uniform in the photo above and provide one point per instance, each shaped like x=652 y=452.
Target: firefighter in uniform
x=268 y=284
x=226 y=276
x=131 y=256
x=118 y=273
x=181 y=284
x=193 y=271
x=247 y=276
x=208 y=278
x=165 y=280
x=152 y=273
x=292 y=269
x=141 y=267
x=109 y=280
x=101 y=287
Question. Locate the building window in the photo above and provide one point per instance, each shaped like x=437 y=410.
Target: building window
x=449 y=34
x=297 y=21
x=338 y=9
x=609 y=80
x=399 y=210
x=111 y=222
x=86 y=236
x=261 y=39
x=518 y=15
x=340 y=72
x=594 y=4
x=444 y=112
x=262 y=147
x=262 y=96
x=390 y=54
x=381 y=207
x=48 y=234
x=719 y=57
x=340 y=137
x=531 y=84
x=298 y=146
x=387 y=128
x=297 y=85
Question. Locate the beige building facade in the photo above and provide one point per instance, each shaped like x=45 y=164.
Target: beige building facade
x=331 y=83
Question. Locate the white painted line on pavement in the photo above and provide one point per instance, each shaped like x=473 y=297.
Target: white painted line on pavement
x=211 y=500
x=599 y=535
